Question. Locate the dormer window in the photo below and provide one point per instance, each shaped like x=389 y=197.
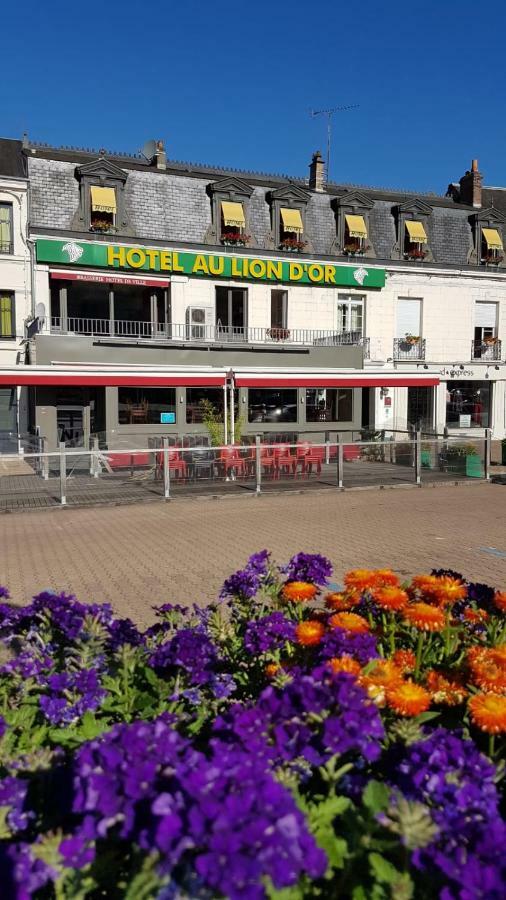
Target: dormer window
x=103 y=209
x=415 y=240
x=291 y=230
x=233 y=224
x=355 y=235
x=492 y=250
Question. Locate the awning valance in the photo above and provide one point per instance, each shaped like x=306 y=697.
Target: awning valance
x=492 y=238
x=356 y=226
x=233 y=214
x=416 y=232
x=327 y=378
x=292 y=220
x=103 y=199
x=108 y=278
x=109 y=376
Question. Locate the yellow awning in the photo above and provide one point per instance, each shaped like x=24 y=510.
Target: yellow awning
x=416 y=232
x=492 y=238
x=356 y=226
x=233 y=214
x=103 y=199
x=292 y=220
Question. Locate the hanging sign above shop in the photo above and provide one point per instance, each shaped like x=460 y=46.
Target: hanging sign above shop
x=146 y=259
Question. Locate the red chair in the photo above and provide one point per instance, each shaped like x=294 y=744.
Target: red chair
x=301 y=452
x=268 y=461
x=230 y=460
x=313 y=457
x=176 y=464
x=351 y=452
x=285 y=461
x=128 y=460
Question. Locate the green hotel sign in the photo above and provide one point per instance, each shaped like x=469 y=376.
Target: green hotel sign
x=146 y=259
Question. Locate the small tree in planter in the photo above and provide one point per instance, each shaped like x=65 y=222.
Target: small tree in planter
x=465 y=460
x=213 y=421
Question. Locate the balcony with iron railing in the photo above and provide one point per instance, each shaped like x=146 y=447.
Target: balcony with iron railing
x=127 y=330
x=409 y=348
x=489 y=348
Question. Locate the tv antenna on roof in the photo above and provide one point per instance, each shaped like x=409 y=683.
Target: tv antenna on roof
x=329 y=113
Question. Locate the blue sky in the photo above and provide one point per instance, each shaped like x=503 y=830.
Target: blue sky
x=232 y=84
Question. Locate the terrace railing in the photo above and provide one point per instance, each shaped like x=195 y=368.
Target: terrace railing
x=409 y=349
x=193 y=332
x=490 y=349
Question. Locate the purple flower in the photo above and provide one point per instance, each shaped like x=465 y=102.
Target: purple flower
x=27 y=871
x=308 y=567
x=4 y=593
x=190 y=649
x=3 y=727
x=70 y=695
x=269 y=633
x=76 y=852
x=244 y=584
x=259 y=562
x=339 y=642
x=313 y=716
x=13 y=793
x=123 y=631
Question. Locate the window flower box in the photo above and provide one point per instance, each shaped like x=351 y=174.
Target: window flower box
x=415 y=253
x=101 y=226
x=278 y=334
x=234 y=239
x=490 y=341
x=355 y=248
x=292 y=245
x=492 y=258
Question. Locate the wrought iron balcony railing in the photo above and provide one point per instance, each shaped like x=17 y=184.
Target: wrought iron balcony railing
x=487 y=349
x=195 y=333
x=406 y=348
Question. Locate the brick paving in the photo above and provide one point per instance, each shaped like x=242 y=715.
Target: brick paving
x=138 y=555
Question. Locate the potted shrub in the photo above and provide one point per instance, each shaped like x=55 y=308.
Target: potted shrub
x=278 y=334
x=464 y=460
x=415 y=253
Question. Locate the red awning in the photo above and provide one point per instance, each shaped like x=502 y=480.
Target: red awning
x=54 y=376
x=323 y=381
x=98 y=278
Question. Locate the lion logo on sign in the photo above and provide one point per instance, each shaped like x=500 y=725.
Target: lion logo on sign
x=360 y=275
x=74 y=251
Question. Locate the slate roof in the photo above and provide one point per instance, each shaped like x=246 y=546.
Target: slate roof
x=173 y=205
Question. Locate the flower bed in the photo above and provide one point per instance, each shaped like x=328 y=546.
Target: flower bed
x=289 y=741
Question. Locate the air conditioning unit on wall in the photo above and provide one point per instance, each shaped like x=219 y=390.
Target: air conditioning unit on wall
x=199 y=323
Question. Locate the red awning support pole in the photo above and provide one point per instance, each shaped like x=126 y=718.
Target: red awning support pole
x=232 y=409
x=225 y=414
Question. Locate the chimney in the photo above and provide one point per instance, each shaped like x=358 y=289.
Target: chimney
x=470 y=186
x=316 y=173
x=161 y=156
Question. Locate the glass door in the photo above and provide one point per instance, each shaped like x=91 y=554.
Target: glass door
x=70 y=425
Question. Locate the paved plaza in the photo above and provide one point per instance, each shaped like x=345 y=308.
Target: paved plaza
x=148 y=553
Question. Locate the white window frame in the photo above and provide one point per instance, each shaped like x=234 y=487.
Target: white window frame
x=350 y=300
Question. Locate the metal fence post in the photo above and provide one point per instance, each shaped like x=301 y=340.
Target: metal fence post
x=327 y=447
x=488 y=451
x=418 y=457
x=340 y=464
x=94 y=463
x=258 y=464
x=166 y=469
x=44 y=460
x=63 y=474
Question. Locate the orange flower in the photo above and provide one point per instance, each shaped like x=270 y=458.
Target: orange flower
x=365 y=579
x=500 y=600
x=489 y=671
x=383 y=677
x=296 y=591
x=341 y=601
x=498 y=654
x=408 y=699
x=425 y=617
x=425 y=584
x=443 y=690
x=488 y=712
x=272 y=669
x=449 y=590
x=475 y=616
x=344 y=664
x=390 y=597
x=405 y=660
x=310 y=632
x=349 y=621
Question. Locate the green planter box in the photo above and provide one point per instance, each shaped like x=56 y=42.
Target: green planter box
x=426 y=459
x=474 y=467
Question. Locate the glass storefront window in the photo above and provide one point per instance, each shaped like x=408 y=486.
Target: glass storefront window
x=272 y=405
x=468 y=404
x=144 y=406
x=195 y=400
x=329 y=405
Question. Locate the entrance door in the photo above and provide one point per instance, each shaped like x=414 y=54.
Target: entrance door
x=70 y=425
x=420 y=408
